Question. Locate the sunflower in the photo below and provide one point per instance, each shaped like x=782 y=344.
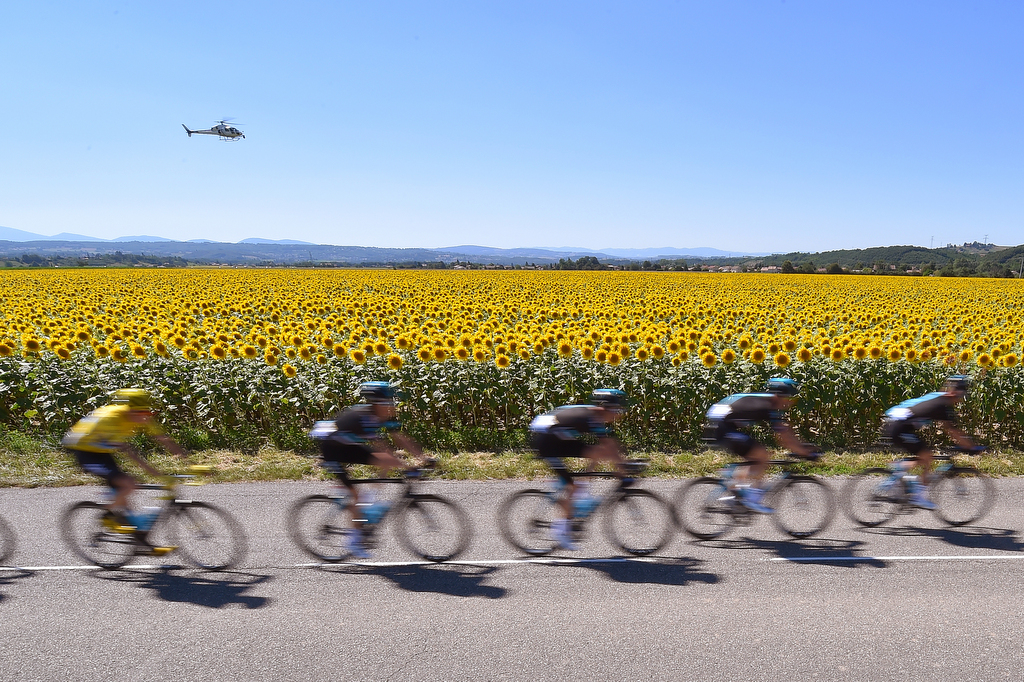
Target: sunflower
x=894 y=354
x=502 y=361
x=102 y=351
x=538 y=348
x=440 y=354
x=160 y=347
x=395 y=361
x=424 y=353
x=641 y=354
x=782 y=360
x=658 y=352
x=121 y=356
x=875 y=352
x=479 y=354
x=860 y=352
x=290 y=353
x=358 y=356
x=985 y=360
x=6 y=351
x=709 y=359
x=911 y=355
x=62 y=353
x=289 y=370
x=728 y=356
x=179 y=341
x=219 y=352
x=789 y=345
x=673 y=346
x=837 y=354
x=965 y=356
x=774 y=348
x=189 y=353
x=804 y=355
x=524 y=354
x=601 y=355
x=564 y=349
x=32 y=345
x=614 y=359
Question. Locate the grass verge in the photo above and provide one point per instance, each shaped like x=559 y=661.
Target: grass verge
x=25 y=462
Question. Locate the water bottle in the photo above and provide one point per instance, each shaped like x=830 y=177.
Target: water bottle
x=584 y=505
x=376 y=511
x=144 y=519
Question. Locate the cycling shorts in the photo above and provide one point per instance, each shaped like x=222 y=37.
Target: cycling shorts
x=905 y=436
x=336 y=455
x=100 y=464
x=734 y=440
x=553 y=450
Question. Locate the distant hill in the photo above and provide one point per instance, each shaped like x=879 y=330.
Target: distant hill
x=258 y=240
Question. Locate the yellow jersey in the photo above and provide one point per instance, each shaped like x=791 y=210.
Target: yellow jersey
x=106 y=429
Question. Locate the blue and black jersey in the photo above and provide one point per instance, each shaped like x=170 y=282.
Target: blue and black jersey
x=746 y=409
x=919 y=412
x=569 y=422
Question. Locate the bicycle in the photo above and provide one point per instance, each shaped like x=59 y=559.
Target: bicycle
x=8 y=540
x=637 y=521
x=707 y=507
x=962 y=494
x=205 y=534
x=429 y=526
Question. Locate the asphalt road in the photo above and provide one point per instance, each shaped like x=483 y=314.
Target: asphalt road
x=912 y=601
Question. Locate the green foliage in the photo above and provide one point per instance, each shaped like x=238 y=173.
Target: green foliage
x=468 y=406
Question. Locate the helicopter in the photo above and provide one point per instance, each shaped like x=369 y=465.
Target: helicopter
x=225 y=131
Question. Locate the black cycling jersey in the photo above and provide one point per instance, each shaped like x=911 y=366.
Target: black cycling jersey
x=921 y=411
x=746 y=409
x=358 y=424
x=569 y=422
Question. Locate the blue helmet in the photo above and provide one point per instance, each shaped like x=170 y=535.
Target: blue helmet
x=610 y=398
x=958 y=382
x=377 y=392
x=783 y=386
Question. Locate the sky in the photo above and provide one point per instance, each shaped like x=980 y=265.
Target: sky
x=746 y=126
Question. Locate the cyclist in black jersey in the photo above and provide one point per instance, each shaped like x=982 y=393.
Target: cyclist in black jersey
x=903 y=423
x=356 y=436
x=728 y=418
x=558 y=434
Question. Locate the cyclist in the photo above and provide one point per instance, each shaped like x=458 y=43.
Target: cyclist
x=558 y=434
x=904 y=421
x=105 y=431
x=356 y=436
x=727 y=418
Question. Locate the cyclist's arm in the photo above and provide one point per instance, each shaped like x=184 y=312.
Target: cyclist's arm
x=958 y=436
x=168 y=444
x=789 y=440
x=404 y=442
x=140 y=460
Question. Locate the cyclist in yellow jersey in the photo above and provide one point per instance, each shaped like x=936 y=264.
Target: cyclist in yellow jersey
x=105 y=431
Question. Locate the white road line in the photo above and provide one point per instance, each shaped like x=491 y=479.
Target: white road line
x=936 y=557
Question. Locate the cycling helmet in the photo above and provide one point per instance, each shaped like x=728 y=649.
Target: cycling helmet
x=377 y=392
x=134 y=398
x=959 y=382
x=609 y=398
x=783 y=386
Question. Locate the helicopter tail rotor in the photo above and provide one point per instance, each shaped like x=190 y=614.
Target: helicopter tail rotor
x=186 y=129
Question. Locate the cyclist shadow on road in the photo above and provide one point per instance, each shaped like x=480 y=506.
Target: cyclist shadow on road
x=11 y=576
x=451 y=579
x=821 y=551
x=213 y=590
x=660 y=571
x=970 y=537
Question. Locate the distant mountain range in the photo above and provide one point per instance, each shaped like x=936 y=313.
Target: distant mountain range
x=293 y=250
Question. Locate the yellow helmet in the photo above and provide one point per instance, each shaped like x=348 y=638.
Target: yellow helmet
x=134 y=398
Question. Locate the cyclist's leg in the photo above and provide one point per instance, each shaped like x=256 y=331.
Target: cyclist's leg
x=103 y=465
x=606 y=450
x=551 y=450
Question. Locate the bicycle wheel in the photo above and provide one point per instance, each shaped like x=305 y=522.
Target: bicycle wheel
x=963 y=495
x=525 y=521
x=207 y=536
x=83 y=531
x=865 y=500
x=319 y=526
x=432 y=527
x=7 y=540
x=638 y=522
x=804 y=506
x=704 y=508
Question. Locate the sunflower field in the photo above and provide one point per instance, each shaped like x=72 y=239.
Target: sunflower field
x=245 y=357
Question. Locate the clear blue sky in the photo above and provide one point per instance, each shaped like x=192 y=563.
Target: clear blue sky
x=758 y=126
